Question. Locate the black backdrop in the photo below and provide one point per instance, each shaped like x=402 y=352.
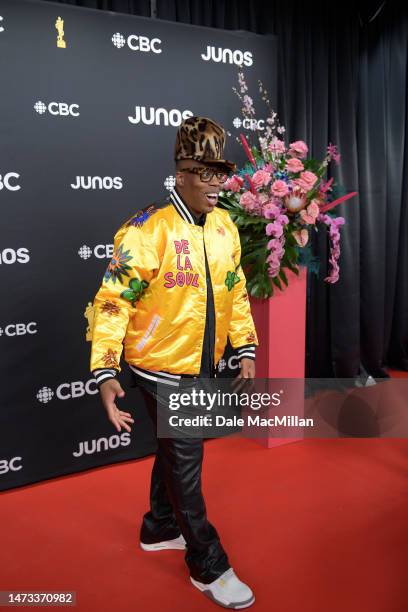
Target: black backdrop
x=64 y=114
x=342 y=76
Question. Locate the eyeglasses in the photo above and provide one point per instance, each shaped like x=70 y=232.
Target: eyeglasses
x=207 y=174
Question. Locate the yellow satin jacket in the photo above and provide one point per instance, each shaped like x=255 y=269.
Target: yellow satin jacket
x=153 y=296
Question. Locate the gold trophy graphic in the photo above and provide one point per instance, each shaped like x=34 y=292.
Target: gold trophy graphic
x=59 y=24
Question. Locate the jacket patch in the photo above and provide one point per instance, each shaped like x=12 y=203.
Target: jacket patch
x=182 y=277
x=135 y=291
x=118 y=265
x=110 y=307
x=110 y=359
x=149 y=331
x=251 y=338
x=231 y=279
x=142 y=216
x=89 y=314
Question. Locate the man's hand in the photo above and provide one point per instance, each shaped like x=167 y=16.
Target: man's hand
x=246 y=372
x=247 y=368
x=109 y=390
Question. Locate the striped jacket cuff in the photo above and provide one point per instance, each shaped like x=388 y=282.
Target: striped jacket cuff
x=248 y=351
x=103 y=374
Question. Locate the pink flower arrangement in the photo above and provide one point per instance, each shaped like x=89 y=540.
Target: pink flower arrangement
x=277 y=200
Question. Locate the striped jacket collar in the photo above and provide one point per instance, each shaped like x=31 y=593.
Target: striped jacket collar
x=183 y=210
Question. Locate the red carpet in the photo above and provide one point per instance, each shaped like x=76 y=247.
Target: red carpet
x=313 y=526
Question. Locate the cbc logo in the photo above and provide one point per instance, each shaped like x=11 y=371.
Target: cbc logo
x=61 y=109
x=101 y=251
x=11 y=256
x=97 y=182
x=169 y=182
x=71 y=390
x=12 y=465
x=232 y=363
x=159 y=116
x=137 y=43
x=19 y=329
x=249 y=124
x=8 y=181
x=89 y=447
x=1 y=27
x=226 y=56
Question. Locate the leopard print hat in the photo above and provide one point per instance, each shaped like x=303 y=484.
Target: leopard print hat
x=202 y=139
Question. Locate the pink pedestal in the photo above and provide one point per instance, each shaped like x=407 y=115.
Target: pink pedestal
x=281 y=327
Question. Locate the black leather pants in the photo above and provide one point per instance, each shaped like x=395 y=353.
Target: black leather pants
x=177 y=503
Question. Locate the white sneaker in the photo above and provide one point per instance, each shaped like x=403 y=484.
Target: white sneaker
x=176 y=544
x=227 y=591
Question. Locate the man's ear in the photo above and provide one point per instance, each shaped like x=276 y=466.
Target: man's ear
x=180 y=178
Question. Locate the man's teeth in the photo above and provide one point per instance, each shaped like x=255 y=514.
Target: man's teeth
x=212 y=196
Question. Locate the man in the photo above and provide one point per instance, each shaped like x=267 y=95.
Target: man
x=172 y=294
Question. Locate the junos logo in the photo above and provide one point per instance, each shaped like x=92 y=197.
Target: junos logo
x=7 y=181
x=97 y=182
x=137 y=43
x=89 y=447
x=159 y=116
x=19 y=329
x=101 y=251
x=249 y=124
x=61 y=109
x=70 y=390
x=11 y=465
x=226 y=56
x=11 y=256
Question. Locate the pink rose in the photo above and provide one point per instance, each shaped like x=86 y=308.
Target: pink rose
x=276 y=146
x=294 y=165
x=233 y=184
x=248 y=200
x=298 y=149
x=306 y=180
x=261 y=178
x=280 y=188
